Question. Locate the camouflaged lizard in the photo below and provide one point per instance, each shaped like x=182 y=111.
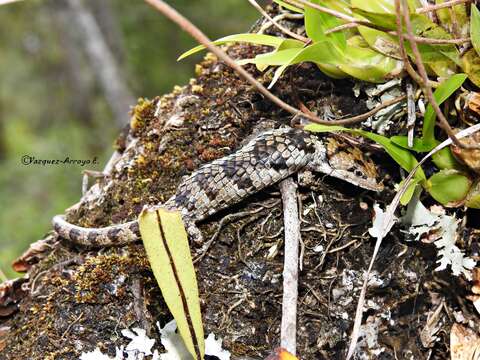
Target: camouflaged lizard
x=271 y=156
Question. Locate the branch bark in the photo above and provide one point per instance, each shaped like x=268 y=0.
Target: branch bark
x=288 y=332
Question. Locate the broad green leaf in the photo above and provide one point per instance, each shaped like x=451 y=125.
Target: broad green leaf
x=409 y=192
x=258 y=39
x=320 y=53
x=166 y=244
x=290 y=44
x=368 y=65
x=332 y=71
x=449 y=187
x=403 y=157
x=442 y=93
x=317 y=22
x=444 y=159
x=475 y=28
x=288 y=6
x=446 y=54
x=473 y=197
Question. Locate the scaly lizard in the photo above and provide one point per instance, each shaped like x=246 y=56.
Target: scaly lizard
x=270 y=157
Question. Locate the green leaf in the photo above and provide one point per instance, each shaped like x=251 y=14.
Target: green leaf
x=368 y=65
x=288 y=6
x=409 y=192
x=166 y=244
x=403 y=157
x=444 y=159
x=320 y=53
x=473 y=197
x=442 y=93
x=290 y=44
x=317 y=22
x=258 y=39
x=449 y=187
x=419 y=145
x=475 y=28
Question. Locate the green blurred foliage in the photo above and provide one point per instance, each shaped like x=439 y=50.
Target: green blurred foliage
x=37 y=115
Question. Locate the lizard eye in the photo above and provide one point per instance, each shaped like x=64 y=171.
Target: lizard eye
x=358 y=173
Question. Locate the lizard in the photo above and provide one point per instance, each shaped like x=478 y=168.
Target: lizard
x=268 y=158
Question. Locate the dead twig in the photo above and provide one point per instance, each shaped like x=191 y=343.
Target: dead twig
x=411 y=116
x=280 y=27
x=288 y=332
x=441 y=6
x=418 y=39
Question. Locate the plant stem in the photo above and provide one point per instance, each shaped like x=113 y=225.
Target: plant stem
x=441 y=6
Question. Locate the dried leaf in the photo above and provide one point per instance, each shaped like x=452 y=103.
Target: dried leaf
x=464 y=343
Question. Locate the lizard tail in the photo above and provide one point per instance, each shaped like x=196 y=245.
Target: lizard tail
x=97 y=237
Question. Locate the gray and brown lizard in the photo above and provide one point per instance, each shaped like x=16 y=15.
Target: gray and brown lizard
x=270 y=157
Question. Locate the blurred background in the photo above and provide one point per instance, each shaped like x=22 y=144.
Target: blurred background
x=69 y=70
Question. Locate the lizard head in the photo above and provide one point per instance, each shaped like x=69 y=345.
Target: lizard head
x=350 y=164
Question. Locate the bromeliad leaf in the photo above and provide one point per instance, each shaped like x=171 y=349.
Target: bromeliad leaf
x=366 y=64
x=259 y=39
x=449 y=187
x=317 y=22
x=166 y=244
x=320 y=53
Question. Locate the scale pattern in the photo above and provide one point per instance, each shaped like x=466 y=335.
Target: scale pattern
x=270 y=157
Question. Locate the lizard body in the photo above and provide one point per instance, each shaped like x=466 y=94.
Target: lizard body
x=270 y=157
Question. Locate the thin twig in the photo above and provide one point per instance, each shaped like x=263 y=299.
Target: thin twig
x=387 y=224
x=365 y=116
x=431 y=41
x=288 y=332
x=418 y=39
x=441 y=6
x=191 y=29
x=423 y=73
x=342 y=27
x=403 y=53
x=282 y=28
